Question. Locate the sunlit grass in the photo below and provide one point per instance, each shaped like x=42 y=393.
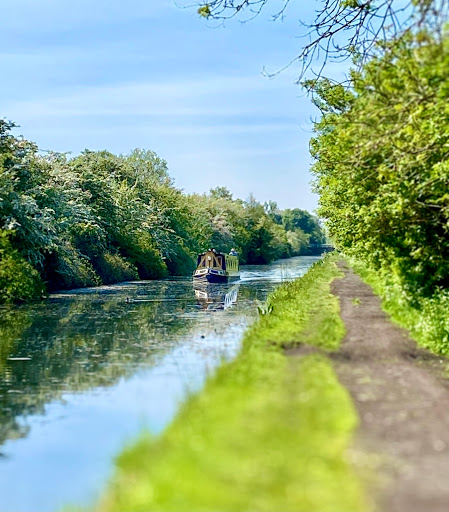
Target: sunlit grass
x=268 y=432
x=304 y=311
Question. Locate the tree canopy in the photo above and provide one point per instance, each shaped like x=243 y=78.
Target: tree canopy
x=381 y=162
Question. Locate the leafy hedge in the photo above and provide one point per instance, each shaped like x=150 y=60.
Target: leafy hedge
x=382 y=172
x=381 y=162
x=382 y=167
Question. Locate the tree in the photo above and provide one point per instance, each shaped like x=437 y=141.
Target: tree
x=272 y=210
x=221 y=193
x=341 y=28
x=381 y=163
x=302 y=220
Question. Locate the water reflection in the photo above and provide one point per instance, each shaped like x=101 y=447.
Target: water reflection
x=83 y=371
x=216 y=297
x=73 y=344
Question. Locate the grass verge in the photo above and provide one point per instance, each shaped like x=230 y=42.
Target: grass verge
x=267 y=433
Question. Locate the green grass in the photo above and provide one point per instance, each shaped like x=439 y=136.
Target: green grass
x=426 y=318
x=304 y=311
x=268 y=432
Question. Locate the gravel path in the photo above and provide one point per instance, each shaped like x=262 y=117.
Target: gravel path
x=402 y=400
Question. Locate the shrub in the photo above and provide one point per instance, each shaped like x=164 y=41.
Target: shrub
x=19 y=281
x=113 y=268
x=68 y=269
x=181 y=261
x=141 y=251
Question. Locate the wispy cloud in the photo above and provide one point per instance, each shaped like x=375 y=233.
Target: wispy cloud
x=208 y=96
x=114 y=75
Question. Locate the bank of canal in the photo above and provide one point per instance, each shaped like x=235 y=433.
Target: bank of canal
x=273 y=429
x=85 y=371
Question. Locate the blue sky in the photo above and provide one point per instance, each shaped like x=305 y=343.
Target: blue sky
x=121 y=74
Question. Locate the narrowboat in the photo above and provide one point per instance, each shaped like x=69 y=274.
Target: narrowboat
x=216 y=267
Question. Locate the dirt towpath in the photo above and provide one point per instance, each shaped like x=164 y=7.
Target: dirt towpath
x=402 y=400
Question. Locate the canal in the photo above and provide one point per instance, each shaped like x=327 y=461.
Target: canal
x=85 y=371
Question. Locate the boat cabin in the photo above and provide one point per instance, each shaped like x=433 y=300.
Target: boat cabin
x=211 y=259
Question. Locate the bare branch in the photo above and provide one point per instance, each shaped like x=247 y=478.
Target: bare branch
x=341 y=28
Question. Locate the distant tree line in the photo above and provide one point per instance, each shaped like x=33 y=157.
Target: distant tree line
x=104 y=218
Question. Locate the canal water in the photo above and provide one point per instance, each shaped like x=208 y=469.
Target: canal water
x=84 y=372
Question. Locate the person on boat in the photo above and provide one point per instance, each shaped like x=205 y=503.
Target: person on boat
x=233 y=252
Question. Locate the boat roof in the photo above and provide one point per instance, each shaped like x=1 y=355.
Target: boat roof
x=215 y=252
